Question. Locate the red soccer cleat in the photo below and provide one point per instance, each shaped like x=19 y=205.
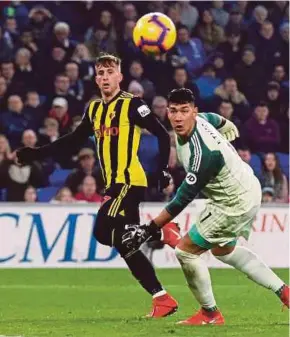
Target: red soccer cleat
x=163 y=306
x=203 y=317
x=285 y=296
x=171 y=234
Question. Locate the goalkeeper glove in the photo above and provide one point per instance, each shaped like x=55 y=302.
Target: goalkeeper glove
x=164 y=179
x=229 y=131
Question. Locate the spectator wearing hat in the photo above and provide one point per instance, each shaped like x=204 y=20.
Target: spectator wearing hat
x=59 y=111
x=250 y=75
x=276 y=103
x=87 y=167
x=261 y=133
x=273 y=177
x=88 y=191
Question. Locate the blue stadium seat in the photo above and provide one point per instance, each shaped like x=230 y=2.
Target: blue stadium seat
x=256 y=164
x=284 y=162
x=58 y=177
x=47 y=193
x=3 y=193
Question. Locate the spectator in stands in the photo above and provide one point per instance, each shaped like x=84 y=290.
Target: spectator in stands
x=272 y=176
x=267 y=195
x=159 y=108
x=250 y=75
x=175 y=14
x=226 y=110
x=127 y=48
x=260 y=15
x=24 y=75
x=6 y=50
x=87 y=167
x=267 y=46
x=29 y=138
x=276 y=104
x=30 y=194
x=84 y=59
x=181 y=80
x=61 y=89
x=284 y=58
x=27 y=41
x=236 y=19
x=209 y=32
x=41 y=22
x=34 y=110
x=88 y=191
x=130 y=12
x=77 y=88
x=188 y=52
x=61 y=33
x=11 y=32
x=207 y=84
x=260 y=132
x=64 y=195
x=279 y=75
x=5 y=150
x=136 y=89
x=101 y=40
x=59 y=111
x=8 y=72
x=228 y=90
x=218 y=61
x=231 y=48
x=50 y=132
x=137 y=73
x=277 y=13
x=3 y=94
x=13 y=122
x=220 y=16
x=245 y=154
x=188 y=14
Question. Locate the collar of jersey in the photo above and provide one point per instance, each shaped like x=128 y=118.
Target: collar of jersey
x=182 y=141
x=113 y=98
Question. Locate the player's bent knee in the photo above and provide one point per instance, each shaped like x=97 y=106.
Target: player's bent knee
x=183 y=256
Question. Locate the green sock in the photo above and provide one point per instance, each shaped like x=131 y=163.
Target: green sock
x=279 y=291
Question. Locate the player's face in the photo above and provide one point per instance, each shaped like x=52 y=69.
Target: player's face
x=182 y=118
x=108 y=78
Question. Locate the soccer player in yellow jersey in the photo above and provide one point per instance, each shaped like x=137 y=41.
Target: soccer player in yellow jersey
x=116 y=120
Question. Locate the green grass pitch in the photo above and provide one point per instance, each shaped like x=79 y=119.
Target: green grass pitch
x=109 y=303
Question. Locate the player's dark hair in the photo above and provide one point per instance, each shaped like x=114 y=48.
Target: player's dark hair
x=106 y=60
x=181 y=96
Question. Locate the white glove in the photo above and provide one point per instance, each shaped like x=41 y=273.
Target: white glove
x=229 y=131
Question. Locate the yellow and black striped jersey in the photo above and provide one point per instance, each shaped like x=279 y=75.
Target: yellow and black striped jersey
x=116 y=126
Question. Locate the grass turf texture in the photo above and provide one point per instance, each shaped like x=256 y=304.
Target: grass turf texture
x=108 y=302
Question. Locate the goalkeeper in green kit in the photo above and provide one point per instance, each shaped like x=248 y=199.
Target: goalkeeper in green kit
x=234 y=197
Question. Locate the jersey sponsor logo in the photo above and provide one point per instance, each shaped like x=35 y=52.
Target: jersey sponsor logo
x=143 y=110
x=104 y=131
x=191 y=178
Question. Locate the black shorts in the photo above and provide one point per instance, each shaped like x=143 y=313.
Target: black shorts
x=120 y=207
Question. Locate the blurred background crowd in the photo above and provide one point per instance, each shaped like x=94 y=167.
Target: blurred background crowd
x=233 y=55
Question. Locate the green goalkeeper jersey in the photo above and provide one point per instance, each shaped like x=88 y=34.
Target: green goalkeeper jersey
x=214 y=168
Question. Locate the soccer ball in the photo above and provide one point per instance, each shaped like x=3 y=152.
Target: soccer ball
x=154 y=33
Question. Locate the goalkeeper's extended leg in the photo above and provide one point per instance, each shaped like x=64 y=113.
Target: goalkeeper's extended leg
x=199 y=282
x=250 y=264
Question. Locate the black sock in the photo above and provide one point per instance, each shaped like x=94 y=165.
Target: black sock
x=212 y=309
x=144 y=272
x=279 y=291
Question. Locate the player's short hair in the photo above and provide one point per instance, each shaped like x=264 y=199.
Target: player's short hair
x=181 y=96
x=107 y=60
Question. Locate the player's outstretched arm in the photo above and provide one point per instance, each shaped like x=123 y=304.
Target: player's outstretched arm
x=64 y=144
x=227 y=128
x=143 y=117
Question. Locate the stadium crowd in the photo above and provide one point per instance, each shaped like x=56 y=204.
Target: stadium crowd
x=233 y=55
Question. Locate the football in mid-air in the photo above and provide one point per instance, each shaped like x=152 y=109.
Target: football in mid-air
x=154 y=33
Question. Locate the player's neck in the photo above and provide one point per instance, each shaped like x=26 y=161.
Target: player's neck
x=108 y=98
